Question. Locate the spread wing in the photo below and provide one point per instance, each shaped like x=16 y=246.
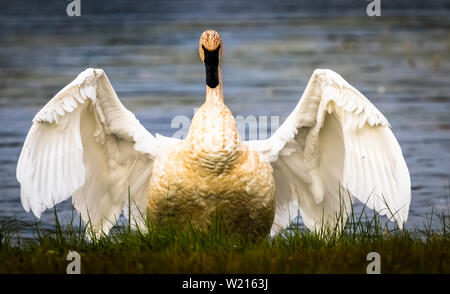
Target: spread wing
x=84 y=143
x=334 y=144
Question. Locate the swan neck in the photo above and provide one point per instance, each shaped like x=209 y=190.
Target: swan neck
x=214 y=95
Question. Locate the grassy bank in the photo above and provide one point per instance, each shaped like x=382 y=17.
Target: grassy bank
x=173 y=250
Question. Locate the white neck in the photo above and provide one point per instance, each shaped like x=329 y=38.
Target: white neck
x=214 y=95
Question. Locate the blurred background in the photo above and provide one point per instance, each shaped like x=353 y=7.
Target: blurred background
x=149 y=49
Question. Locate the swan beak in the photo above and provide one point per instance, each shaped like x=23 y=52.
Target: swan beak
x=211 y=59
x=210 y=49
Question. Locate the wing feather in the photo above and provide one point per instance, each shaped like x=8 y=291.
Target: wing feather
x=336 y=143
x=84 y=143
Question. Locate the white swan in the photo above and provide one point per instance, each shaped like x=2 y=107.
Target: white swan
x=84 y=143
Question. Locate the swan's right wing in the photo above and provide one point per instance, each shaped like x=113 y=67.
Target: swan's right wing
x=335 y=145
x=84 y=143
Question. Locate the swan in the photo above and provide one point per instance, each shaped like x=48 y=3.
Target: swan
x=334 y=147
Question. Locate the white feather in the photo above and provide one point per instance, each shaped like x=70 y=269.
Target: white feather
x=341 y=140
x=85 y=143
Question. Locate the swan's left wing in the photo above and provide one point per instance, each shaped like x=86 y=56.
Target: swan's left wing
x=334 y=146
x=84 y=143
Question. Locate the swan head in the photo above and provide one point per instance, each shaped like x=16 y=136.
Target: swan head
x=210 y=51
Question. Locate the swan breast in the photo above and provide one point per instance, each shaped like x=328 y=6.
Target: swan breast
x=186 y=187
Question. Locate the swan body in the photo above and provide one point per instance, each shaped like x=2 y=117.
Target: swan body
x=333 y=147
x=213 y=171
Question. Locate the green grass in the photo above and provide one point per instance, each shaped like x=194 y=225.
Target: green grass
x=170 y=249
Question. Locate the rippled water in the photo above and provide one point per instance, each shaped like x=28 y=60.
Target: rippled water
x=149 y=51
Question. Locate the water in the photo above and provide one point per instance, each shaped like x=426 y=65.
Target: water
x=149 y=51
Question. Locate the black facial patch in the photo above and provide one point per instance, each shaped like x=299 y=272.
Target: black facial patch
x=212 y=66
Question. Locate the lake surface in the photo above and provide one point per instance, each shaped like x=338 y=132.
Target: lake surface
x=400 y=61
